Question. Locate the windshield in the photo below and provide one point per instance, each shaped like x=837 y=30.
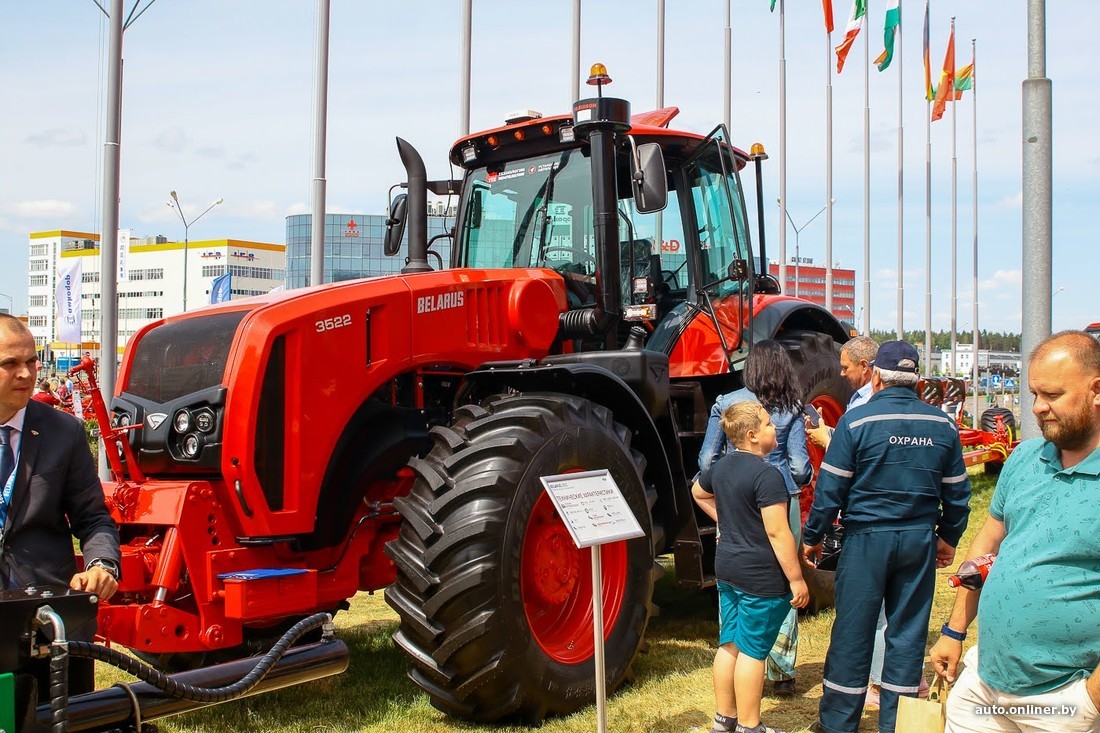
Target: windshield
x=535 y=212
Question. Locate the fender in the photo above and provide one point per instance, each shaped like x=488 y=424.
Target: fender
x=779 y=312
x=584 y=375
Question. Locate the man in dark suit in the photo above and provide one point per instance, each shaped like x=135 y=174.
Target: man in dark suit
x=49 y=492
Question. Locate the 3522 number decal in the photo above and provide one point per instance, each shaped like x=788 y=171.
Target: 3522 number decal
x=331 y=324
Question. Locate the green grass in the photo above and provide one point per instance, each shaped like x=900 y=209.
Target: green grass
x=671 y=691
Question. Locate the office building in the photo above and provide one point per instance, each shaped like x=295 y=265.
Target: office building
x=806 y=280
x=1006 y=363
x=353 y=245
x=152 y=285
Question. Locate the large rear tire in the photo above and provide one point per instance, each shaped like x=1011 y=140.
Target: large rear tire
x=816 y=359
x=494 y=598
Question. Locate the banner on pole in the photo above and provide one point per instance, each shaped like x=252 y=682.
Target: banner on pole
x=67 y=315
x=221 y=290
x=123 y=253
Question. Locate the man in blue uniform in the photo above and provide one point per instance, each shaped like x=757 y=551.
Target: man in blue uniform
x=894 y=468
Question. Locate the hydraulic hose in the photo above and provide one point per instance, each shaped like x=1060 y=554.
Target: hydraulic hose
x=59 y=669
x=208 y=695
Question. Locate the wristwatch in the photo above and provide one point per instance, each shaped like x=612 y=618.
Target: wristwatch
x=109 y=565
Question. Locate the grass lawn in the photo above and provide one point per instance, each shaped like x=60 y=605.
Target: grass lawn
x=671 y=690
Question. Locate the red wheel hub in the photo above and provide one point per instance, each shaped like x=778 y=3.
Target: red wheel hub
x=556 y=584
x=830 y=411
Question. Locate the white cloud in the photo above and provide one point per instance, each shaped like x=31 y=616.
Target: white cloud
x=298 y=207
x=58 y=136
x=263 y=210
x=43 y=209
x=1015 y=201
x=172 y=140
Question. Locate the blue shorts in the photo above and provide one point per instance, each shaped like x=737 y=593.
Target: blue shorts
x=750 y=622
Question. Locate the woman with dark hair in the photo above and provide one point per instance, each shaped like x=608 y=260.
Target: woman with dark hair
x=770 y=379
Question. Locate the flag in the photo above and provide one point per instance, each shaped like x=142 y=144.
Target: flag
x=855 y=24
x=221 y=290
x=123 y=254
x=946 y=88
x=773 y=6
x=827 y=6
x=67 y=316
x=929 y=92
x=964 y=80
x=893 y=20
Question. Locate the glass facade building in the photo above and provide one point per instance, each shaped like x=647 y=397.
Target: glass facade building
x=353 y=246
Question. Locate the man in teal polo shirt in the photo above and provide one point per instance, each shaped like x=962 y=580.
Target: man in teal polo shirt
x=1036 y=666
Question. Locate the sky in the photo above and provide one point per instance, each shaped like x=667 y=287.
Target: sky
x=218 y=103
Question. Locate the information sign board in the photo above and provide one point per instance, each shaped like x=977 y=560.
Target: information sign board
x=592 y=507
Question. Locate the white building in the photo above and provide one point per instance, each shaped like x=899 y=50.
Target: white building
x=154 y=282
x=1006 y=362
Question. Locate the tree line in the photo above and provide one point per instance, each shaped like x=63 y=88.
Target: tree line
x=941 y=340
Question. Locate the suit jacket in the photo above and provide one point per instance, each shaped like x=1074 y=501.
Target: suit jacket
x=56 y=496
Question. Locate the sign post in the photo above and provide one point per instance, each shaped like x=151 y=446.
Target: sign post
x=595 y=512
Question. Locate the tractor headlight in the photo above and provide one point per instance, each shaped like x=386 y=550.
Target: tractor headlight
x=191 y=445
x=182 y=421
x=124 y=420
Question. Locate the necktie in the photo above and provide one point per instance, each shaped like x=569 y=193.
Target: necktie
x=7 y=457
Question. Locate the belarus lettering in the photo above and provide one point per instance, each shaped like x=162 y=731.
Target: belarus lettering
x=443 y=301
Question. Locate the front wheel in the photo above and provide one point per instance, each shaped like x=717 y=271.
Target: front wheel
x=494 y=598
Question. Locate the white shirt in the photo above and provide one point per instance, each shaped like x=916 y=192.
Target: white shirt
x=16 y=424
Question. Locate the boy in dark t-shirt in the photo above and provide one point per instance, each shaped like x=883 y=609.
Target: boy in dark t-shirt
x=759 y=577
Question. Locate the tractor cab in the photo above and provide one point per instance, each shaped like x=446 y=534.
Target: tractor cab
x=645 y=225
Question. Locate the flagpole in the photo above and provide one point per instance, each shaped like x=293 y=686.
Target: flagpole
x=927 y=209
x=575 y=86
x=899 y=36
x=866 y=178
x=974 y=189
x=954 y=216
x=659 y=223
x=727 y=87
x=782 y=152
x=829 y=171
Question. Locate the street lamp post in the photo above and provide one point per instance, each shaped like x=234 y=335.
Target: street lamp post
x=797 y=231
x=11 y=302
x=175 y=203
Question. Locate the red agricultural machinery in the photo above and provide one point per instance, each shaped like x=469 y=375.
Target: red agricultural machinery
x=281 y=453
x=991 y=440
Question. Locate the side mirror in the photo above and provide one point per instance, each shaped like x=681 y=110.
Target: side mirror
x=648 y=178
x=395 y=225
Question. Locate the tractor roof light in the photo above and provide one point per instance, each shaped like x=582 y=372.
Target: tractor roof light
x=566 y=134
x=469 y=153
x=597 y=75
x=756 y=152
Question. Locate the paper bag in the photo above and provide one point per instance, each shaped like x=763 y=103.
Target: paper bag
x=924 y=716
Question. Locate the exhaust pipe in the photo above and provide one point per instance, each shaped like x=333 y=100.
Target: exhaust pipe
x=418 y=208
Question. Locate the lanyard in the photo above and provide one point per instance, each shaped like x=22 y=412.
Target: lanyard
x=5 y=496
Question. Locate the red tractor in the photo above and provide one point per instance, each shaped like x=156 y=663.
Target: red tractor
x=293 y=449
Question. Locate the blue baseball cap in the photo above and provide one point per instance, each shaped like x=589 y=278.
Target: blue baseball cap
x=897 y=356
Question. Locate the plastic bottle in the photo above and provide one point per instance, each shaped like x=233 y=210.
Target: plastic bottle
x=972 y=573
